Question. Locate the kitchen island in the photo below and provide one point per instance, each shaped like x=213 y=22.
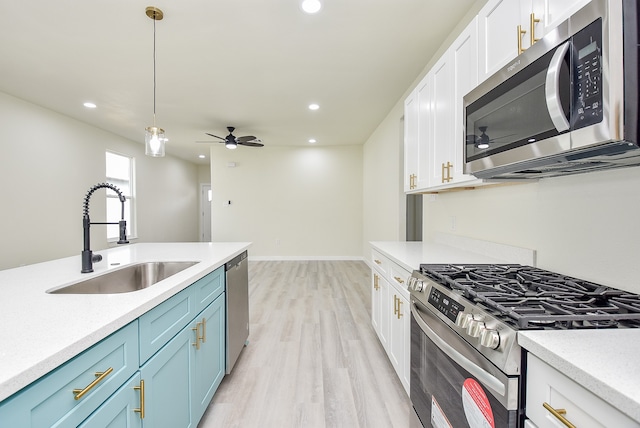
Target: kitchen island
x=41 y=331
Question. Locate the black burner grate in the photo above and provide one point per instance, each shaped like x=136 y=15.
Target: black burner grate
x=531 y=298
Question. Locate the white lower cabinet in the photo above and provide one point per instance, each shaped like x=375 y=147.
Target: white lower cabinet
x=552 y=397
x=390 y=315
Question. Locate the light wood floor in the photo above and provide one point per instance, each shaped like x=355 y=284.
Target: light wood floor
x=313 y=359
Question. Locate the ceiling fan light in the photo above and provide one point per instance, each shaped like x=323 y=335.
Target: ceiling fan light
x=154 y=141
x=231 y=145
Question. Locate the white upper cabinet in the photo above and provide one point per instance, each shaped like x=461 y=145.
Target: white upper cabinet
x=498 y=22
x=411 y=119
x=507 y=28
x=464 y=56
x=441 y=144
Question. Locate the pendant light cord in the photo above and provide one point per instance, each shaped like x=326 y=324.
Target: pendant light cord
x=154 y=72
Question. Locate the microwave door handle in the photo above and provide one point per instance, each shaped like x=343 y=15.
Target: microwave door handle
x=552 y=89
x=482 y=375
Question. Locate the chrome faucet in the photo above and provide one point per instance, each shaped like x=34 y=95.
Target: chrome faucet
x=87 y=255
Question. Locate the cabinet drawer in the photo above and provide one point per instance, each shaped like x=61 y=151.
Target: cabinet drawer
x=207 y=289
x=50 y=401
x=379 y=261
x=164 y=321
x=398 y=277
x=583 y=408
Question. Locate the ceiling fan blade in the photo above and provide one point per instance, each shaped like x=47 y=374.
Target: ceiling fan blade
x=223 y=139
x=246 y=138
x=250 y=144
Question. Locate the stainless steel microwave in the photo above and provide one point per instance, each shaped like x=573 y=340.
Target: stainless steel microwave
x=568 y=104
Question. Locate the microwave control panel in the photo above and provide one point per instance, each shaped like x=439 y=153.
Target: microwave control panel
x=587 y=66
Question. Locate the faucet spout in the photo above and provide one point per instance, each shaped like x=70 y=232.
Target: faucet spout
x=88 y=258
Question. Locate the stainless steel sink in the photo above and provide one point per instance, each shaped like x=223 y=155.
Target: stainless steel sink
x=129 y=278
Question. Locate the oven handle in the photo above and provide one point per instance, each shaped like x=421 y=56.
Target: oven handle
x=483 y=376
x=552 y=90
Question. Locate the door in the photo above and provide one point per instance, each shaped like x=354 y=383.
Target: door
x=205 y=212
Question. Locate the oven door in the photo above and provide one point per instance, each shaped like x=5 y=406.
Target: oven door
x=452 y=384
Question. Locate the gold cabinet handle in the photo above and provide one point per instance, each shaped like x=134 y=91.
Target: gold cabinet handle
x=521 y=33
x=376 y=278
x=197 y=330
x=377 y=261
x=558 y=413
x=100 y=376
x=446 y=172
x=400 y=280
x=399 y=313
x=532 y=28
x=141 y=408
x=395 y=305
x=204 y=330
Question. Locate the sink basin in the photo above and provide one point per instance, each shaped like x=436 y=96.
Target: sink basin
x=129 y=278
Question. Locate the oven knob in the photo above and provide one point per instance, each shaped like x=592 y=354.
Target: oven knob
x=462 y=320
x=489 y=338
x=474 y=327
x=418 y=285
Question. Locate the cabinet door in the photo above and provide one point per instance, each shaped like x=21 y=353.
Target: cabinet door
x=441 y=153
x=410 y=141
x=164 y=321
x=553 y=12
x=424 y=97
x=465 y=67
x=209 y=356
x=168 y=384
x=498 y=21
x=121 y=410
x=385 y=304
x=375 y=301
x=399 y=338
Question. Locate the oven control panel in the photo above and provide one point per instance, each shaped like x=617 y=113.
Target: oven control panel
x=448 y=307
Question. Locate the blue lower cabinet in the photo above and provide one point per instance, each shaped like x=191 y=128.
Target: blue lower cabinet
x=167 y=384
x=121 y=410
x=175 y=357
x=209 y=365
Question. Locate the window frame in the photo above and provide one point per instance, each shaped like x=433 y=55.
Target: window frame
x=132 y=229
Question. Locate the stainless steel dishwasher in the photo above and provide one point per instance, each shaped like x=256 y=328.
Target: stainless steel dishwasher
x=237 y=307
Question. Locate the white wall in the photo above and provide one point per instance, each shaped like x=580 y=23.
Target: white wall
x=49 y=161
x=309 y=199
x=582 y=225
x=383 y=197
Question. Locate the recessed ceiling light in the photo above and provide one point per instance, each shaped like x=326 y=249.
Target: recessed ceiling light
x=311 y=6
x=201 y=156
x=89 y=105
x=314 y=106
x=312 y=140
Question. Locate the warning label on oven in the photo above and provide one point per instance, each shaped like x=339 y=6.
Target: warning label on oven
x=438 y=419
x=476 y=405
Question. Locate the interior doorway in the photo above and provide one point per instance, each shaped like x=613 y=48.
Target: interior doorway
x=205 y=212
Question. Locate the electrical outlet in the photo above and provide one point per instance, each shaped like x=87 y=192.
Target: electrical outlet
x=277 y=242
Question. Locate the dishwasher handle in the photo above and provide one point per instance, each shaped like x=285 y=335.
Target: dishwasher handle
x=235 y=261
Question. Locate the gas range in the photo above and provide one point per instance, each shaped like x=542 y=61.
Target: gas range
x=488 y=304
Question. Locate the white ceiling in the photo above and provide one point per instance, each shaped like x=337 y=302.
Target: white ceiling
x=252 y=64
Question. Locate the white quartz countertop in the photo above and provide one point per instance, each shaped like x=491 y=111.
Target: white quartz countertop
x=604 y=362
x=410 y=255
x=40 y=331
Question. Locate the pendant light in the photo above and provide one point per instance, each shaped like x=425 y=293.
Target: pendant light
x=154 y=136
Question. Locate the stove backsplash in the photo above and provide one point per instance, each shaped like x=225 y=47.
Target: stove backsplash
x=583 y=225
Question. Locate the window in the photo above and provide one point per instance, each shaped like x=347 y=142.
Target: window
x=120 y=173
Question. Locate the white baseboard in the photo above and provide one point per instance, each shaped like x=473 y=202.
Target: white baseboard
x=303 y=258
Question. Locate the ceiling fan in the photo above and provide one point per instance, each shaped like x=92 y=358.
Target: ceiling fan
x=482 y=141
x=232 y=142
